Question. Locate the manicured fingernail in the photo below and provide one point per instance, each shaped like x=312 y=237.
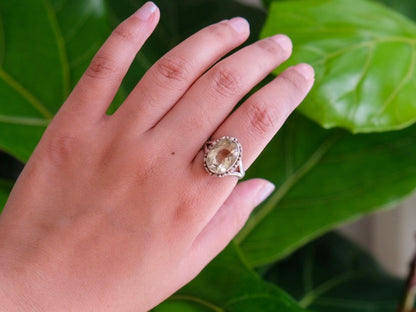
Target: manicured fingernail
x=264 y=192
x=239 y=24
x=146 y=11
x=305 y=70
x=283 y=41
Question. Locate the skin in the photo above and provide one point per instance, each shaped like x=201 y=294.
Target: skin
x=115 y=213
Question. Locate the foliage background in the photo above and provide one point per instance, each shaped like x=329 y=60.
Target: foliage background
x=347 y=151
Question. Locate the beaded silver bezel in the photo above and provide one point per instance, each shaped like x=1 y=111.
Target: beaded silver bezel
x=236 y=169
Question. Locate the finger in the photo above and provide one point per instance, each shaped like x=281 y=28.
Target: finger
x=227 y=222
x=166 y=81
x=256 y=121
x=99 y=84
x=213 y=96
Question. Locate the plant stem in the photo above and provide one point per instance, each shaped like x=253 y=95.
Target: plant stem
x=409 y=299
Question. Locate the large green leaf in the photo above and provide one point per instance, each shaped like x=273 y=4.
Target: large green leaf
x=364 y=55
x=332 y=274
x=406 y=7
x=228 y=285
x=45 y=45
x=324 y=178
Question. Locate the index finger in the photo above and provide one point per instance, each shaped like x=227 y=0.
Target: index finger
x=99 y=84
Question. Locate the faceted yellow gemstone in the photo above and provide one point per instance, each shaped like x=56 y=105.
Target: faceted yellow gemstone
x=222 y=156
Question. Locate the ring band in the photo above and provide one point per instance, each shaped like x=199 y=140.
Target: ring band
x=224 y=157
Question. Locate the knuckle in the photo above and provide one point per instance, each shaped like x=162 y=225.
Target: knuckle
x=219 y=31
x=62 y=149
x=183 y=214
x=227 y=82
x=127 y=30
x=270 y=46
x=101 y=67
x=294 y=82
x=173 y=68
x=262 y=118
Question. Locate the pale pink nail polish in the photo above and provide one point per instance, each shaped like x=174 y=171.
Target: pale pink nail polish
x=264 y=192
x=239 y=24
x=146 y=11
x=305 y=70
x=283 y=41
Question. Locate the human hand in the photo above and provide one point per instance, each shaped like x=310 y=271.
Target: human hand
x=115 y=213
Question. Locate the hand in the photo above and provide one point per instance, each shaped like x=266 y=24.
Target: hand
x=115 y=213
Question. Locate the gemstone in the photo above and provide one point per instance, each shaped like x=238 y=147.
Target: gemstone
x=222 y=156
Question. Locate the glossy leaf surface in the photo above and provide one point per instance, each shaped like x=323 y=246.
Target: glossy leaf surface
x=228 y=285
x=332 y=274
x=324 y=178
x=44 y=48
x=364 y=55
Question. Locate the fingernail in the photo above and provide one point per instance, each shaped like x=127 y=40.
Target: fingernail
x=305 y=70
x=283 y=41
x=146 y=11
x=264 y=192
x=239 y=24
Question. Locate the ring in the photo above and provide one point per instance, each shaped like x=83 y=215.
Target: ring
x=224 y=157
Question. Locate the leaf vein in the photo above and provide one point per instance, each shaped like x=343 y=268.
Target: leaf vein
x=60 y=41
x=24 y=121
x=197 y=300
x=325 y=287
x=25 y=94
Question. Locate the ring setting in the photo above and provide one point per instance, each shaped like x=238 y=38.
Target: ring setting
x=223 y=157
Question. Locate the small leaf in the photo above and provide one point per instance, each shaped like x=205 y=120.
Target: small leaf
x=228 y=285
x=364 y=55
x=324 y=178
x=44 y=48
x=332 y=274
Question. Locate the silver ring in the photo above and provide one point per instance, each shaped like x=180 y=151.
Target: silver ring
x=223 y=157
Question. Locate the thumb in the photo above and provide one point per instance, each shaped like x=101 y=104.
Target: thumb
x=227 y=222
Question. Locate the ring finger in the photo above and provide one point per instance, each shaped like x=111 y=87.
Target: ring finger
x=256 y=121
x=166 y=81
x=212 y=97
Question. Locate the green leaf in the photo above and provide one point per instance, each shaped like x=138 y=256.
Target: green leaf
x=364 y=55
x=324 y=178
x=45 y=45
x=405 y=7
x=332 y=274
x=227 y=284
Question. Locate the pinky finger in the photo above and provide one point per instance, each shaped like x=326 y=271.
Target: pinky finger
x=99 y=84
x=226 y=223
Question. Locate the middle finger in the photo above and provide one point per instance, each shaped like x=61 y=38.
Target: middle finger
x=209 y=101
x=166 y=81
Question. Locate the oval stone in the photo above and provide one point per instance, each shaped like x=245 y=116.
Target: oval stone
x=222 y=156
